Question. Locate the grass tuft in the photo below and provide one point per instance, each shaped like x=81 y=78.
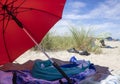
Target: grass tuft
x=80 y=39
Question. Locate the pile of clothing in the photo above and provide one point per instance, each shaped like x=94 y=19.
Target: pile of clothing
x=43 y=72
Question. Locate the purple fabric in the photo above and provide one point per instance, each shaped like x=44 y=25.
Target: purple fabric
x=24 y=77
x=6 y=77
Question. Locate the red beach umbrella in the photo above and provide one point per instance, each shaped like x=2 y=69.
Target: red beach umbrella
x=23 y=24
x=34 y=16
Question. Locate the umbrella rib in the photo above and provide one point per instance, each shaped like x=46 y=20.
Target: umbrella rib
x=19 y=5
x=12 y=2
x=29 y=9
x=3 y=26
x=23 y=10
x=12 y=5
x=4 y=15
x=7 y=22
x=3 y=22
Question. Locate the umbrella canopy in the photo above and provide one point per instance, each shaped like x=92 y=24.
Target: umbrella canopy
x=36 y=16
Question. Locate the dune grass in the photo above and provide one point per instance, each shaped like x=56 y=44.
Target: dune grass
x=79 y=39
x=52 y=42
x=84 y=40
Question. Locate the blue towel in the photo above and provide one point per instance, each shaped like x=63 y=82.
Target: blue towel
x=45 y=70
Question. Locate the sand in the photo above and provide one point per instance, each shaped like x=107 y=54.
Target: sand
x=110 y=58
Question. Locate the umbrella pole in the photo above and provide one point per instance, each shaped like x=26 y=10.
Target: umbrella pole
x=54 y=63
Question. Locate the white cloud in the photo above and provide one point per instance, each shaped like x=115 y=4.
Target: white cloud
x=107 y=10
x=106 y=25
x=77 y=4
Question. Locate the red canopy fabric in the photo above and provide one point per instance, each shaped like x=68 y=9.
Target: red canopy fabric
x=36 y=16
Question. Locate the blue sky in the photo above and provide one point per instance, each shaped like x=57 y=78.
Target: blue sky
x=103 y=16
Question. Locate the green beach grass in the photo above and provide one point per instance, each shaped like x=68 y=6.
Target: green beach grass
x=80 y=39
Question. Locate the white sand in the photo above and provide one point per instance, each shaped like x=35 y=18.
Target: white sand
x=109 y=58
